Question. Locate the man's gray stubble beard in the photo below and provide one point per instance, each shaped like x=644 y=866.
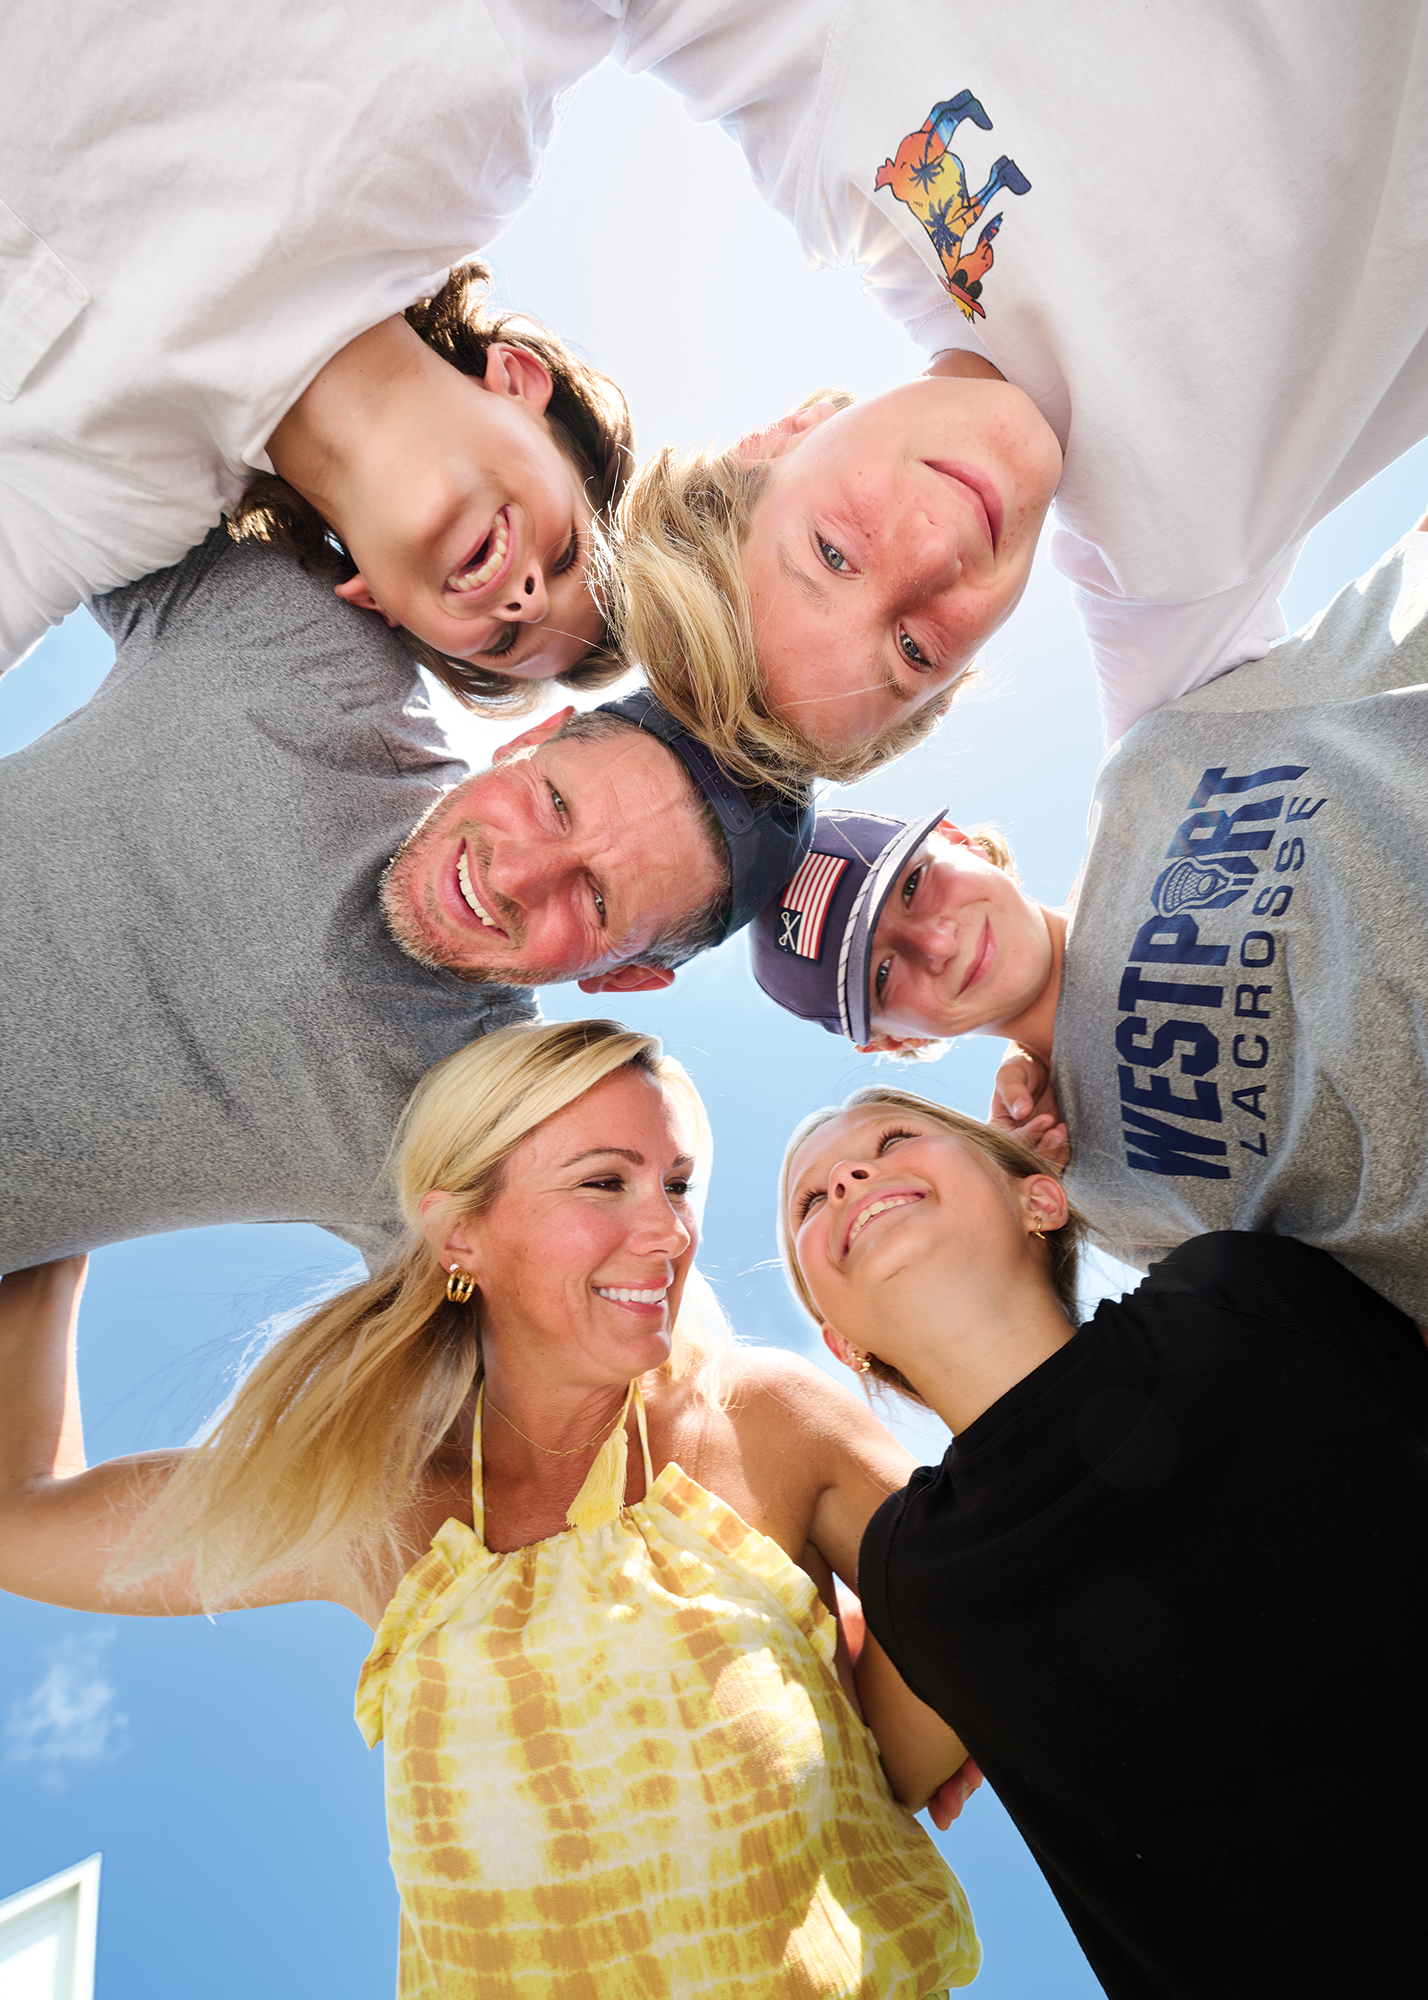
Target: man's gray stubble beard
x=407 y=938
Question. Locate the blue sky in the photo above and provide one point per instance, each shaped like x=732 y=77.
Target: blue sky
x=217 y=1764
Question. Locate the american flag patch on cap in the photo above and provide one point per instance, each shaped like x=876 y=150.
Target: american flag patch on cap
x=804 y=908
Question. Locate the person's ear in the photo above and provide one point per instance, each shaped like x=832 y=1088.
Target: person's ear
x=516 y=372
x=888 y=1045
x=840 y=1349
x=450 y=1242
x=531 y=739
x=1045 y=1201
x=634 y=978
x=780 y=437
x=954 y=834
x=357 y=591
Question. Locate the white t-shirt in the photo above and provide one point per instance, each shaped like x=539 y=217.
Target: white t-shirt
x=1215 y=285
x=199 y=205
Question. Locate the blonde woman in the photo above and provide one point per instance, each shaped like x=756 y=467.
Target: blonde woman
x=596 y=1543
x=1166 y=1584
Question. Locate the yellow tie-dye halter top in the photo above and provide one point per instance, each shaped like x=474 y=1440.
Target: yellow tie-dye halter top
x=620 y=1766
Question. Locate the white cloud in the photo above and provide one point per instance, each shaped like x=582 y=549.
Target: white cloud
x=69 y=1718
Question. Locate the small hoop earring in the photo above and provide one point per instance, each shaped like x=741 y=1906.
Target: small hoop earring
x=459 y=1285
x=1040 y=1232
x=863 y=1363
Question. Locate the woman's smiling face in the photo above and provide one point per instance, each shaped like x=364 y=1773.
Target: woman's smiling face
x=957 y=948
x=581 y=1258
x=889 y=541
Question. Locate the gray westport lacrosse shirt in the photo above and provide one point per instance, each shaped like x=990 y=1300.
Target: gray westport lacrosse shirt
x=205 y=1019
x=1242 y=1035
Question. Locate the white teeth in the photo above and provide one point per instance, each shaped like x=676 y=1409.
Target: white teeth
x=877 y=1207
x=466 y=580
x=628 y=1297
x=463 y=876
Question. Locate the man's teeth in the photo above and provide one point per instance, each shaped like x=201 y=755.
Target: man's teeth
x=463 y=876
x=877 y=1207
x=627 y=1297
x=497 y=542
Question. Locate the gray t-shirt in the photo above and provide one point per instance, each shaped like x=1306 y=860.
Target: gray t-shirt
x=1242 y=1034
x=205 y=1018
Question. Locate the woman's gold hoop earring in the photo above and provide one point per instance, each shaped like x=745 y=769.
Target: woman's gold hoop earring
x=459 y=1285
x=1040 y=1232
x=863 y=1363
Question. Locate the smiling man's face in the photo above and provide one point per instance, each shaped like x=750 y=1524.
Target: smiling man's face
x=566 y=859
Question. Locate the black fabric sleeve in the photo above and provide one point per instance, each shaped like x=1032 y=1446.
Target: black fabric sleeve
x=1309 y=1293
x=874 y=1561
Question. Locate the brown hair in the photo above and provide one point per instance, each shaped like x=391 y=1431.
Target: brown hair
x=1017 y=1161
x=683 y=613
x=590 y=422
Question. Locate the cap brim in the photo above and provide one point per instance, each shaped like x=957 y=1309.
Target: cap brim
x=857 y=953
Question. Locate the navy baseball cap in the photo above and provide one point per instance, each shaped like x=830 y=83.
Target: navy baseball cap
x=812 y=946
x=767 y=832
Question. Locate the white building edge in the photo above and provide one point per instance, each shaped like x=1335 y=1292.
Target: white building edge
x=47 y=1937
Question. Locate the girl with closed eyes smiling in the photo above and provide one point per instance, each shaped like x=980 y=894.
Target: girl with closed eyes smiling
x=1171 y=1556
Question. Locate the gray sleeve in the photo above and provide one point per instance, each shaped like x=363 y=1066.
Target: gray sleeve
x=375 y=1244
x=1340 y=655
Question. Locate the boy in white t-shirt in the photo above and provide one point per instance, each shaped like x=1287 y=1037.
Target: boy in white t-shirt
x=1194 y=237
x=218 y=229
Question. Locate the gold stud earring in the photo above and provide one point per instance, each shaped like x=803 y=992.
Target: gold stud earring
x=459 y=1285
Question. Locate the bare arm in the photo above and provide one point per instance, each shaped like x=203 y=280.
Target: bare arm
x=919 y=1750
x=1024 y=1105
x=62 y=1524
x=955 y=361
x=846 y=1464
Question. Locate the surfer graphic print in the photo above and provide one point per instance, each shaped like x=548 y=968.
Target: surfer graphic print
x=1242 y=1035
x=931 y=179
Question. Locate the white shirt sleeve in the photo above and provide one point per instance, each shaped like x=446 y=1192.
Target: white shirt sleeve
x=903 y=283
x=1149 y=653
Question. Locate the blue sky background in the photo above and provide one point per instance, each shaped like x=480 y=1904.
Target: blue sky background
x=217 y=1764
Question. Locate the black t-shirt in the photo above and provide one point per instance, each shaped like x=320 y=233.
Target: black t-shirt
x=1170 y=1592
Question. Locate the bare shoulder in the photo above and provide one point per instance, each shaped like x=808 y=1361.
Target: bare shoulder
x=785 y=1397
x=799 y=1457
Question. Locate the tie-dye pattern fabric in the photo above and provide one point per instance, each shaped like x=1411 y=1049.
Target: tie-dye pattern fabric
x=620 y=1766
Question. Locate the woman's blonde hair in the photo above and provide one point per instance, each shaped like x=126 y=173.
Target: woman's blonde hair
x=330 y=1432
x=1017 y=1161
x=683 y=613
x=590 y=421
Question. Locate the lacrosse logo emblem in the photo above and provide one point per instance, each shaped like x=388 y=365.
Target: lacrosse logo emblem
x=804 y=908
